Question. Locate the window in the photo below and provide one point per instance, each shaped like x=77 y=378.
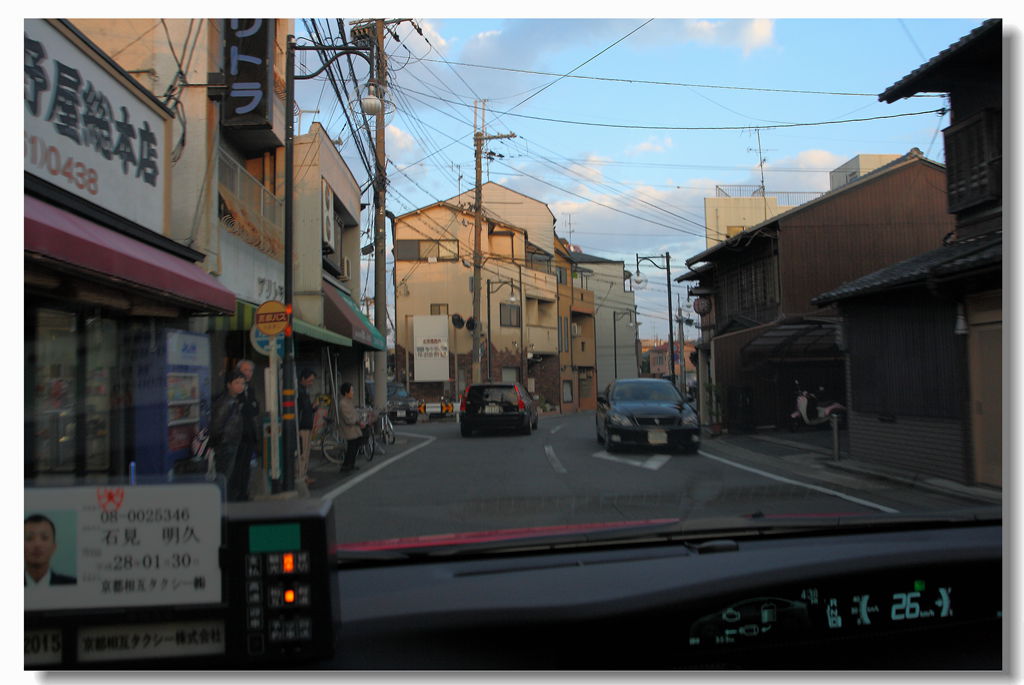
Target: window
x=414 y=250
x=563 y=276
x=436 y=309
x=510 y=315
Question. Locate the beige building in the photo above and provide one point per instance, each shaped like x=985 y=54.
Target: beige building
x=434 y=296
x=577 y=341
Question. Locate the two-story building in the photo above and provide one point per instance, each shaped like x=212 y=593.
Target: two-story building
x=221 y=151
x=923 y=337
x=760 y=332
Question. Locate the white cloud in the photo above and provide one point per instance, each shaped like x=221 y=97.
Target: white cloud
x=399 y=141
x=652 y=144
x=746 y=34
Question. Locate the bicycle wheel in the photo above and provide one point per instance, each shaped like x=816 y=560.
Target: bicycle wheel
x=389 y=431
x=369 y=445
x=332 y=445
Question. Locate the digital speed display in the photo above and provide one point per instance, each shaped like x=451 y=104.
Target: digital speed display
x=854 y=605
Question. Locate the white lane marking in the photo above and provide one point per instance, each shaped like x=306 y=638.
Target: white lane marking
x=555 y=463
x=348 y=485
x=652 y=463
x=557 y=428
x=818 y=488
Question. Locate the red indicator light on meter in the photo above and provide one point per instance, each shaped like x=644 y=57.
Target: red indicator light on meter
x=289 y=596
x=288 y=563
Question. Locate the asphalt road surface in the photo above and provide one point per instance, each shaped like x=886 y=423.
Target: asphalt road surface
x=435 y=482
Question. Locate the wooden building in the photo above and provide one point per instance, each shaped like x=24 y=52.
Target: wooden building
x=762 y=334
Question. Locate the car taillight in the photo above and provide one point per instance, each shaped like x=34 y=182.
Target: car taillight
x=522 y=405
x=462 y=403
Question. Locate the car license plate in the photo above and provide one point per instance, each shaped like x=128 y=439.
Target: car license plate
x=492 y=409
x=400 y=413
x=657 y=437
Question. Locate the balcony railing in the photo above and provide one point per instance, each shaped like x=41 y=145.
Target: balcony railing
x=974 y=160
x=251 y=211
x=542 y=339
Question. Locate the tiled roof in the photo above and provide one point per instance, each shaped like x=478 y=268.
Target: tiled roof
x=946 y=260
x=910 y=85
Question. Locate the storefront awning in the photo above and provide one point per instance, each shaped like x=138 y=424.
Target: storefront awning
x=302 y=328
x=66 y=237
x=341 y=314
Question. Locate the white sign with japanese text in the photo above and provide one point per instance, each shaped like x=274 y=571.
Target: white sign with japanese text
x=88 y=133
x=151 y=641
x=431 y=348
x=122 y=546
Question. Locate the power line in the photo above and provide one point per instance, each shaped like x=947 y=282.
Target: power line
x=666 y=83
x=698 y=128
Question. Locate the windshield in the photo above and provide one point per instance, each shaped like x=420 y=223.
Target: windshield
x=801 y=235
x=645 y=392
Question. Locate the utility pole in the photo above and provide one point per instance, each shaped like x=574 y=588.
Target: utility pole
x=363 y=29
x=479 y=136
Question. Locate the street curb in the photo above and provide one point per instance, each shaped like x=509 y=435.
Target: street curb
x=940 y=485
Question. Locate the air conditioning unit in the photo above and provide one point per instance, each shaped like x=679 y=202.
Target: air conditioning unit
x=346 y=269
x=327 y=216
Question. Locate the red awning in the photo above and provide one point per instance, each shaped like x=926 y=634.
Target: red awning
x=342 y=316
x=66 y=237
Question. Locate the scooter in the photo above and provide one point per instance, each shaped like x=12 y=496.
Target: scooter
x=810 y=411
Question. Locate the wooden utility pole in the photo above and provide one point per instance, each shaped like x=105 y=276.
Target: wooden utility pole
x=479 y=136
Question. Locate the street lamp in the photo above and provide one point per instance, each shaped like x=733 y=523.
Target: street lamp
x=512 y=299
x=667 y=266
x=290 y=432
x=615 y=337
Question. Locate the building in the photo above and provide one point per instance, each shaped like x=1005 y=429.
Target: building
x=760 y=332
x=577 y=342
x=434 y=305
x=112 y=274
x=614 y=319
x=220 y=150
x=923 y=336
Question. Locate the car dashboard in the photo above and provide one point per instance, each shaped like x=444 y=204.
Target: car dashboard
x=919 y=597
x=916 y=599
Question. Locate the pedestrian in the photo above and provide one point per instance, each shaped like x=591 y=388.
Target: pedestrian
x=351 y=427
x=249 y=448
x=306 y=412
x=226 y=432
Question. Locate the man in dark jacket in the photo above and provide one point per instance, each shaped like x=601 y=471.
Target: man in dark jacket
x=250 y=430
x=226 y=431
x=40 y=546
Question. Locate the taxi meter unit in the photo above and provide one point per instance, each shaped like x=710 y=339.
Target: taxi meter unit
x=167 y=576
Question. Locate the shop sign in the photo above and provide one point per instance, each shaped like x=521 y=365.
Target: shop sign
x=249 y=68
x=90 y=133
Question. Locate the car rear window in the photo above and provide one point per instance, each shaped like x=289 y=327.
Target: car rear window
x=505 y=394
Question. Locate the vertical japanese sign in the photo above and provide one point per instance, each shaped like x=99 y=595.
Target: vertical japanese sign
x=122 y=546
x=430 y=334
x=91 y=132
x=249 y=70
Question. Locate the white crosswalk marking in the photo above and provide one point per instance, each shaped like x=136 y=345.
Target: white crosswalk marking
x=651 y=463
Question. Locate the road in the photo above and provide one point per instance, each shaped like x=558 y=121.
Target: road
x=434 y=482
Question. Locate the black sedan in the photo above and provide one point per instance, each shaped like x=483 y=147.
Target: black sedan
x=646 y=412
x=501 y=406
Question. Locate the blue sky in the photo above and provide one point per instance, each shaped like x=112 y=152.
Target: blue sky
x=636 y=183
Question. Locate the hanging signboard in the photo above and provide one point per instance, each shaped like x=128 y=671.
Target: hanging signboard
x=431 y=348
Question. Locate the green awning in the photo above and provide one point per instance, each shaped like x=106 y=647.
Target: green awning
x=342 y=314
x=243 y=319
x=308 y=329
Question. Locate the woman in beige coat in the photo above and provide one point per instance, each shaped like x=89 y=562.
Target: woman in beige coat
x=351 y=427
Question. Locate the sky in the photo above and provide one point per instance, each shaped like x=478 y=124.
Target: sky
x=624 y=126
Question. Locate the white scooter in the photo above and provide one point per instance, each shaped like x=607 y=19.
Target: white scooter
x=810 y=412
